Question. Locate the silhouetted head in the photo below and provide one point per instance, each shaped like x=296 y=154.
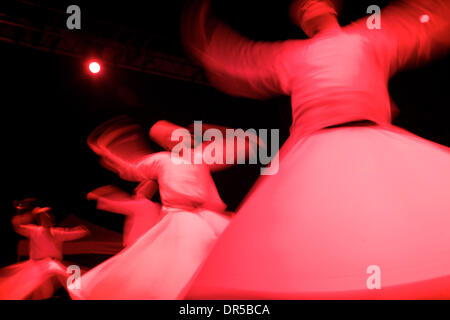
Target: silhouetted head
x=24 y=205
x=314 y=16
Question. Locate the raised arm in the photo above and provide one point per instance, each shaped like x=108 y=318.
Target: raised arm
x=23 y=224
x=226 y=147
x=70 y=234
x=234 y=64
x=412 y=33
x=219 y=147
x=111 y=198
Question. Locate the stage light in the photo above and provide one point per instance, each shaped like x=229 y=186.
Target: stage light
x=94 y=67
x=424 y=18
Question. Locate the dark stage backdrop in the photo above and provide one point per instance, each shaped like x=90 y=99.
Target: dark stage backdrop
x=49 y=104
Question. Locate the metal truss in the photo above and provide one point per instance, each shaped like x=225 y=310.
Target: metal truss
x=31 y=25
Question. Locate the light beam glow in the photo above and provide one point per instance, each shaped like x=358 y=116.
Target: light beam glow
x=94 y=67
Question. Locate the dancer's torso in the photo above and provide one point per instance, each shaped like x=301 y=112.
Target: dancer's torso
x=335 y=79
x=44 y=245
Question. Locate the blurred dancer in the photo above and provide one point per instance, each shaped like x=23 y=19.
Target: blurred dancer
x=160 y=263
x=353 y=192
x=46 y=240
x=38 y=277
x=141 y=214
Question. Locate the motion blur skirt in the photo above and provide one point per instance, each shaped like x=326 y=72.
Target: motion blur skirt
x=32 y=279
x=160 y=263
x=351 y=209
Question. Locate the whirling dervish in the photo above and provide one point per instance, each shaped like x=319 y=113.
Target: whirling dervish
x=38 y=277
x=353 y=193
x=141 y=214
x=161 y=260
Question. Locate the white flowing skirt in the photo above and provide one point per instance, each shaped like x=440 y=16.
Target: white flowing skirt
x=160 y=263
x=351 y=208
x=32 y=279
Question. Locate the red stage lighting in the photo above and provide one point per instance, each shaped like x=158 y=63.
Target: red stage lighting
x=94 y=67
